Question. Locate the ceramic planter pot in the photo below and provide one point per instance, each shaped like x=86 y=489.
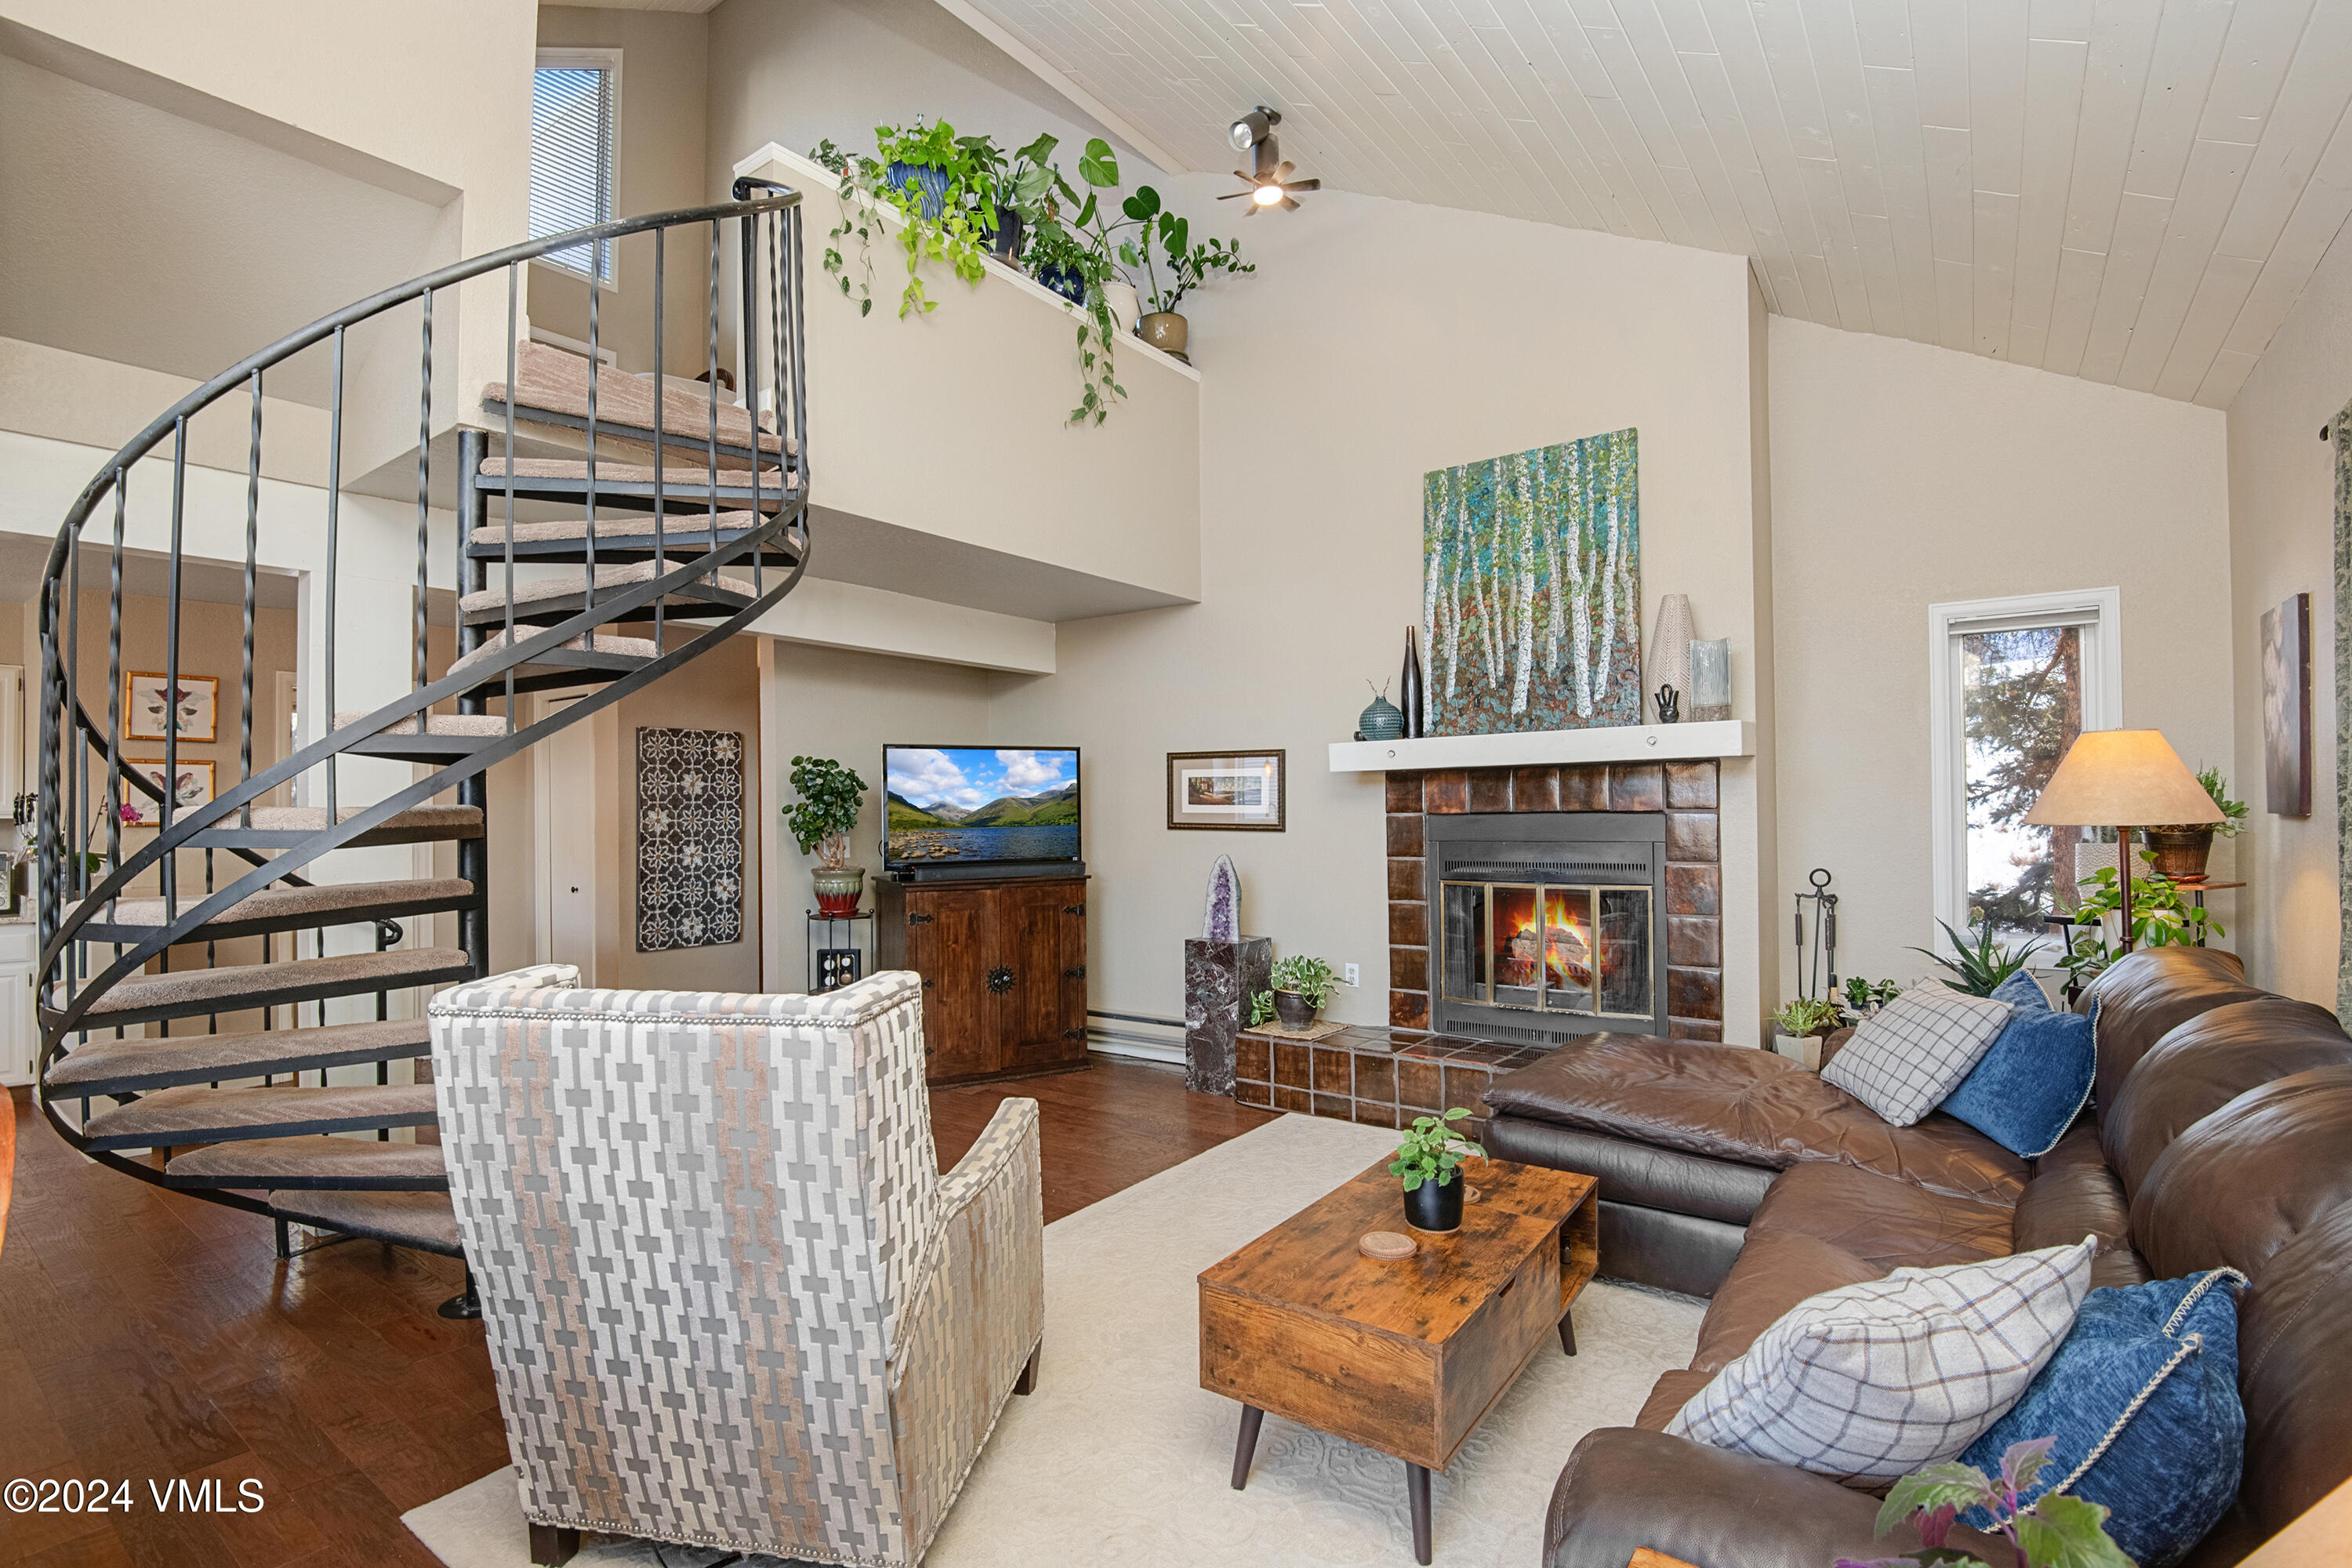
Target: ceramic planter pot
x=1124 y=302
x=1166 y=331
x=1006 y=246
x=1067 y=282
x=837 y=892
x=932 y=183
x=2181 y=852
x=1434 y=1206
x=1296 y=1010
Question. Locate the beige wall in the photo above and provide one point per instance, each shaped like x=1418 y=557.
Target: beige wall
x=2282 y=510
x=662 y=166
x=1379 y=340
x=1905 y=475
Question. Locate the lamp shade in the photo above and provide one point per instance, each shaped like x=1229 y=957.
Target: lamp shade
x=2123 y=778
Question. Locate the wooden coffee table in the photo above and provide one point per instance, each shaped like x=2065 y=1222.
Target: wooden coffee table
x=1403 y=1357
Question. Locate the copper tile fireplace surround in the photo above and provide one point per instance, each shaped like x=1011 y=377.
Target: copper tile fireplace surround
x=1433 y=1056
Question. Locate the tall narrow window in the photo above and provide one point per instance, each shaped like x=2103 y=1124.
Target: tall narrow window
x=574 y=127
x=2013 y=682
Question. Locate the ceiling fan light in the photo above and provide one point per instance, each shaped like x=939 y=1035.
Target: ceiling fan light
x=1266 y=195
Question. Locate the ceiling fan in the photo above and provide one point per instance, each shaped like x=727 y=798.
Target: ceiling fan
x=1270 y=186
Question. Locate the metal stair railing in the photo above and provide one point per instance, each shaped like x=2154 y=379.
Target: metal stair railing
x=78 y=882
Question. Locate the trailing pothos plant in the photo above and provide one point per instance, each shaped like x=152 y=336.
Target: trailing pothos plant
x=957 y=233
x=2053 y=1531
x=1082 y=246
x=1171 y=271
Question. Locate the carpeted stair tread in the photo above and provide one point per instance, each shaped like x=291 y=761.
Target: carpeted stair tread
x=567 y=584
x=680 y=475
x=551 y=379
x=415 y=1219
x=272 y=1162
x=326 y=900
x=683 y=530
x=220 y=989
x=436 y=723
x=486 y=655
x=170 y=1115
x=435 y=821
x=102 y=1065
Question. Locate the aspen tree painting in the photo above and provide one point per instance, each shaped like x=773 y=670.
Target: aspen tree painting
x=1531 y=590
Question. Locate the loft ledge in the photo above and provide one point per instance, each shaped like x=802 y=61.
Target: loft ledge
x=1536 y=748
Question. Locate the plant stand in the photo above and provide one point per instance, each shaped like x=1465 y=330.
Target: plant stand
x=828 y=942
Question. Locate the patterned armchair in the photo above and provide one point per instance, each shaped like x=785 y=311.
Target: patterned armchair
x=730 y=1298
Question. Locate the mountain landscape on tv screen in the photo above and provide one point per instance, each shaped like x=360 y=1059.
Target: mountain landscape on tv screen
x=974 y=803
x=1054 y=808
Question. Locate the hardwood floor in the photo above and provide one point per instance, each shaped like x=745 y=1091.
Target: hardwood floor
x=148 y=1336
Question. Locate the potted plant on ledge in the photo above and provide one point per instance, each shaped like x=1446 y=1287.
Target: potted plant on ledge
x=1429 y=1163
x=1301 y=986
x=820 y=823
x=2180 y=853
x=1184 y=269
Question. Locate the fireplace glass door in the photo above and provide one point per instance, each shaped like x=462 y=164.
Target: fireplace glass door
x=1539 y=948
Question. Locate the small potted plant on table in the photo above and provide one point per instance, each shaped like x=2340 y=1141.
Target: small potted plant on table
x=820 y=823
x=2180 y=853
x=1429 y=1163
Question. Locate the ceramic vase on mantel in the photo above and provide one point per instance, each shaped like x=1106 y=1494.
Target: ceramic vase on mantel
x=1710 y=674
x=1415 y=710
x=1670 y=662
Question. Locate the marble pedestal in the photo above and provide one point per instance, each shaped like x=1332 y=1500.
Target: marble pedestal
x=1220 y=977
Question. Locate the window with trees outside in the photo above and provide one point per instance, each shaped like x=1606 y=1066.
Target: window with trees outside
x=2014 y=681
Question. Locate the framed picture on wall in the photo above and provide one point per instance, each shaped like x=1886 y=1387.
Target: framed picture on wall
x=144 y=707
x=1236 y=791
x=195 y=786
x=2286 y=706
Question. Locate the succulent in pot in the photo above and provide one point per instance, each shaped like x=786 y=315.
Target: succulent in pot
x=820 y=822
x=1809 y=1016
x=1429 y=1163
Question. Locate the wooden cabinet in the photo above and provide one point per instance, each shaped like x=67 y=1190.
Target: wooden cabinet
x=1003 y=966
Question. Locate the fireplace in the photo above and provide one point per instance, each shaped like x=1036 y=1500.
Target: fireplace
x=1546 y=925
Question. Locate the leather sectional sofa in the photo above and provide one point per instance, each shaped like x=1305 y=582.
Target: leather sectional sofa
x=2221 y=1134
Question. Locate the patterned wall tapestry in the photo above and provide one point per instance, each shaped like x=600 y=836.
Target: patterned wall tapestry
x=689 y=838
x=2342 y=430
x=1531 y=590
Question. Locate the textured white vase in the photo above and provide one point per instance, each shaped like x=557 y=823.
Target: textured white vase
x=1669 y=654
x=1124 y=303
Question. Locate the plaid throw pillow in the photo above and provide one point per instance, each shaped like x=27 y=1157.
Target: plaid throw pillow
x=1870 y=1381
x=1905 y=1058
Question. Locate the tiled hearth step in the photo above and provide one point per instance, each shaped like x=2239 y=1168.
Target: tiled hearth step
x=1381 y=1077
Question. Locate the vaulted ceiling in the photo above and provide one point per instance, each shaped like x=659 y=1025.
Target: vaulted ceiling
x=2130 y=191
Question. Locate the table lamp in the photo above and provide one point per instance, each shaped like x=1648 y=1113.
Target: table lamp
x=2122 y=779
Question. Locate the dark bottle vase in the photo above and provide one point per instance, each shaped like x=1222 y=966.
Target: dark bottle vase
x=1410 y=688
x=1436 y=1207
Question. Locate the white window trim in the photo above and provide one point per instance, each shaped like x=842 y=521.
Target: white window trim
x=2101 y=611
x=604 y=61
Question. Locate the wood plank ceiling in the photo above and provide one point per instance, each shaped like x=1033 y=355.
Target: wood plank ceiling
x=2130 y=191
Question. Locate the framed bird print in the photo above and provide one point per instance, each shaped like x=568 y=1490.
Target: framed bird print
x=194 y=788
x=146 y=706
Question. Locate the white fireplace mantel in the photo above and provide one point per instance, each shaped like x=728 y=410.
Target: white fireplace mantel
x=1539 y=748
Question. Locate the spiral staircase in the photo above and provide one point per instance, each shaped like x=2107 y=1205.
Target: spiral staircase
x=611 y=527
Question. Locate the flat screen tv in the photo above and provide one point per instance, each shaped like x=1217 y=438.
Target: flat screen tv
x=966 y=805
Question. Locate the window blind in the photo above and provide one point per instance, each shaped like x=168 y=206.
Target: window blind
x=572 y=162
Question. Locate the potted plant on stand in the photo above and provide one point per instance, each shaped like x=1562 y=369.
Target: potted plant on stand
x=1176 y=271
x=2180 y=853
x=820 y=823
x=1429 y=1163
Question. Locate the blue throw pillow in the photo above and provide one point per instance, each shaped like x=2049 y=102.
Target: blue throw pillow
x=2033 y=1083
x=2166 y=1470
x=2023 y=992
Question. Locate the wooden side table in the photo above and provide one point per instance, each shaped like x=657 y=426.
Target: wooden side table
x=1406 y=1356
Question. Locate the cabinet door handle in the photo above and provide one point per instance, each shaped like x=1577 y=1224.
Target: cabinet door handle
x=920 y=919
x=1074 y=909
x=1077 y=974
x=1000 y=980
x=1073 y=1033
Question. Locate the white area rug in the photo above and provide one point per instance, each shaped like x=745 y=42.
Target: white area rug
x=1120 y=1455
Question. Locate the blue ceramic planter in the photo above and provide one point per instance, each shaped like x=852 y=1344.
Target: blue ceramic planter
x=932 y=183
x=1070 y=285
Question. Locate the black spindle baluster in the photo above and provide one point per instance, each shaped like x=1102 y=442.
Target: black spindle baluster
x=170 y=866
x=252 y=553
x=424 y=490
x=334 y=544
x=713 y=373
x=747 y=233
x=512 y=323
x=661 y=449
x=114 y=693
x=79 y=768
x=588 y=586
